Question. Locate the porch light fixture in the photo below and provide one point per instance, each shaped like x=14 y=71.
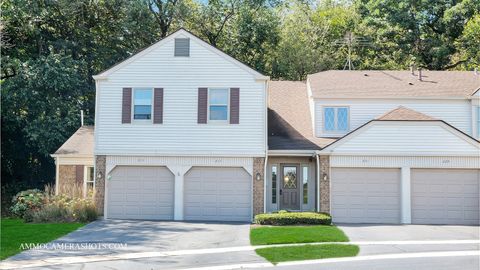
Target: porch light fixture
x=99 y=175
x=258 y=176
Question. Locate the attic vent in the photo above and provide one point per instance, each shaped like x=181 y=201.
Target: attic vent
x=182 y=47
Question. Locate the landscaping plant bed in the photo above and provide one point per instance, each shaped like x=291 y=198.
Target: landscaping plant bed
x=293 y=218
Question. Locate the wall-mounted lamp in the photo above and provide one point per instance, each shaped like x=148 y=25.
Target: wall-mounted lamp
x=325 y=177
x=258 y=176
x=99 y=175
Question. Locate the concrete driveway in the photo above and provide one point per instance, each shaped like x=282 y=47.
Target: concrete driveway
x=124 y=236
x=411 y=238
x=373 y=232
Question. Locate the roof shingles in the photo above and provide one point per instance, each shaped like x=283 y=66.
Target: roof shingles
x=81 y=143
x=393 y=84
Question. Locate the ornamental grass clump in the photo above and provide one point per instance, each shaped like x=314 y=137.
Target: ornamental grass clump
x=45 y=207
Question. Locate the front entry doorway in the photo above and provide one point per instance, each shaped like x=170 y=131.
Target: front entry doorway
x=289 y=187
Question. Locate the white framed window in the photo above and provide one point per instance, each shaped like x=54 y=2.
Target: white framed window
x=89 y=181
x=274 y=184
x=218 y=104
x=336 y=120
x=305 y=184
x=142 y=104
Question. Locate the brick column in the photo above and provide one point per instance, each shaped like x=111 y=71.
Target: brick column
x=258 y=185
x=100 y=169
x=325 y=184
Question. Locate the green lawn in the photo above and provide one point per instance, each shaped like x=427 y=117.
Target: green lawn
x=268 y=235
x=307 y=252
x=15 y=231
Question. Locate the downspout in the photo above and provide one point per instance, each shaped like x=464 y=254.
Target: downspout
x=266 y=150
x=317 y=155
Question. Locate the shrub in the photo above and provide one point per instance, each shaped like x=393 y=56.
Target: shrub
x=27 y=200
x=37 y=206
x=51 y=213
x=293 y=218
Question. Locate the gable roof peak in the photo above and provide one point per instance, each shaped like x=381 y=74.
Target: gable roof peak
x=402 y=113
x=181 y=31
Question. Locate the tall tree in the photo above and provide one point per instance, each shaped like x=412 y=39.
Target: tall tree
x=166 y=13
x=421 y=32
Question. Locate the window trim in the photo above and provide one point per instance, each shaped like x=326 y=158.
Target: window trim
x=85 y=178
x=272 y=191
x=226 y=121
x=335 y=132
x=307 y=167
x=145 y=121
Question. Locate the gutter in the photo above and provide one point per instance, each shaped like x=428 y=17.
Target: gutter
x=317 y=156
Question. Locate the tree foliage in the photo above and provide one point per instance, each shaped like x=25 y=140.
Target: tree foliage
x=51 y=49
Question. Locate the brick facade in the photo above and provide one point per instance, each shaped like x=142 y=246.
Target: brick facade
x=325 y=184
x=100 y=169
x=258 y=185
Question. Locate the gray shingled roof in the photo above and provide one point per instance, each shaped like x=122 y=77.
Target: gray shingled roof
x=405 y=114
x=289 y=120
x=81 y=143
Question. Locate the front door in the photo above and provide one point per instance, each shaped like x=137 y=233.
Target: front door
x=290 y=189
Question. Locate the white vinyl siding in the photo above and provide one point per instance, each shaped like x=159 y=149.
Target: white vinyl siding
x=406 y=138
x=180 y=134
x=455 y=112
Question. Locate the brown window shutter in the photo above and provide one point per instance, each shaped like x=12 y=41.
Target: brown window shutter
x=202 y=105
x=127 y=106
x=79 y=174
x=234 y=105
x=158 y=106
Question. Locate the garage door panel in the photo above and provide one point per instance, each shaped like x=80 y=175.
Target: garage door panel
x=140 y=193
x=365 y=195
x=445 y=196
x=216 y=193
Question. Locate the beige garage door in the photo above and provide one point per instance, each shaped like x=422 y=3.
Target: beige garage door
x=445 y=196
x=365 y=195
x=213 y=193
x=140 y=193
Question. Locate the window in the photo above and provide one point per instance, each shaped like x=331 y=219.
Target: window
x=182 y=47
x=274 y=184
x=142 y=104
x=89 y=182
x=305 y=184
x=218 y=104
x=289 y=177
x=335 y=119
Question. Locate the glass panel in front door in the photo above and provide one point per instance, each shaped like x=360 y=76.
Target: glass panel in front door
x=289 y=177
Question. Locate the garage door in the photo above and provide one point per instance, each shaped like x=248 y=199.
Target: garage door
x=213 y=193
x=441 y=196
x=140 y=193
x=365 y=195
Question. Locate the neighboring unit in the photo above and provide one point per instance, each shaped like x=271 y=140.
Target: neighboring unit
x=74 y=163
x=185 y=132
